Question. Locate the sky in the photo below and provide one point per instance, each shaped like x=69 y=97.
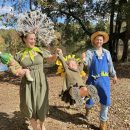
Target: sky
x=7 y=8
x=10 y=7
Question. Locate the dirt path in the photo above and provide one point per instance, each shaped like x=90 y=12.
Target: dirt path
x=60 y=116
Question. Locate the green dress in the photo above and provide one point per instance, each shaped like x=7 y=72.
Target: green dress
x=34 y=95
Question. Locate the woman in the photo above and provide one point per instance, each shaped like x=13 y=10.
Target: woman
x=33 y=95
x=100 y=67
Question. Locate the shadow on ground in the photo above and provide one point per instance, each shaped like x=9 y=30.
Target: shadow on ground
x=77 y=119
x=123 y=70
x=9 y=77
x=15 y=121
x=12 y=122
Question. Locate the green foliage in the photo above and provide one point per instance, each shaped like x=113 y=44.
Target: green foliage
x=76 y=11
x=79 y=22
x=12 y=42
x=74 y=40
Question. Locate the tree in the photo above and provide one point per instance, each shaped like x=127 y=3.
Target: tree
x=79 y=16
x=11 y=41
x=79 y=19
x=78 y=11
x=118 y=7
x=127 y=32
x=18 y=6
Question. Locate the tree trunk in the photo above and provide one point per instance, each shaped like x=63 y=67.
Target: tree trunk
x=125 y=50
x=127 y=37
x=117 y=32
x=128 y=24
x=111 y=27
x=30 y=4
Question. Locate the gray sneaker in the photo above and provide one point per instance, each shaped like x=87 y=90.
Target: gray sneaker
x=93 y=93
x=74 y=92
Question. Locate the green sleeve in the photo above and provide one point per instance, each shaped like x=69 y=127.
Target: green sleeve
x=61 y=58
x=5 y=58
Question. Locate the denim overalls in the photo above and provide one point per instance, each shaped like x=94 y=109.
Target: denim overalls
x=98 y=76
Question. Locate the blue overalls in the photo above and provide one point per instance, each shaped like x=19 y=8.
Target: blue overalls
x=98 y=76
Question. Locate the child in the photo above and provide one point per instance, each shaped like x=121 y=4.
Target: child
x=75 y=87
x=14 y=66
x=100 y=66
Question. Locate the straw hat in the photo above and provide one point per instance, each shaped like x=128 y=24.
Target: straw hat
x=100 y=33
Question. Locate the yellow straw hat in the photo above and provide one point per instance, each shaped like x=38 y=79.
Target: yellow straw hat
x=100 y=33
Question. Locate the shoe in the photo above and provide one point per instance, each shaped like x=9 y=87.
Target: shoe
x=103 y=125
x=93 y=93
x=74 y=92
x=66 y=97
x=29 y=77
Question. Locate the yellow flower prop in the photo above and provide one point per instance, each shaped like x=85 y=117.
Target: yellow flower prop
x=82 y=74
x=60 y=69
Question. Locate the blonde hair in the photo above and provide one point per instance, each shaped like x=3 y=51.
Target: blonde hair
x=71 y=59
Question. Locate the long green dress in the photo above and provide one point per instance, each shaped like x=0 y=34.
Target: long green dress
x=34 y=95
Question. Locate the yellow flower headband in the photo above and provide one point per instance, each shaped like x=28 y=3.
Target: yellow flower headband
x=60 y=69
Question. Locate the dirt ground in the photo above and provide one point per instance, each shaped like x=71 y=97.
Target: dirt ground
x=60 y=116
